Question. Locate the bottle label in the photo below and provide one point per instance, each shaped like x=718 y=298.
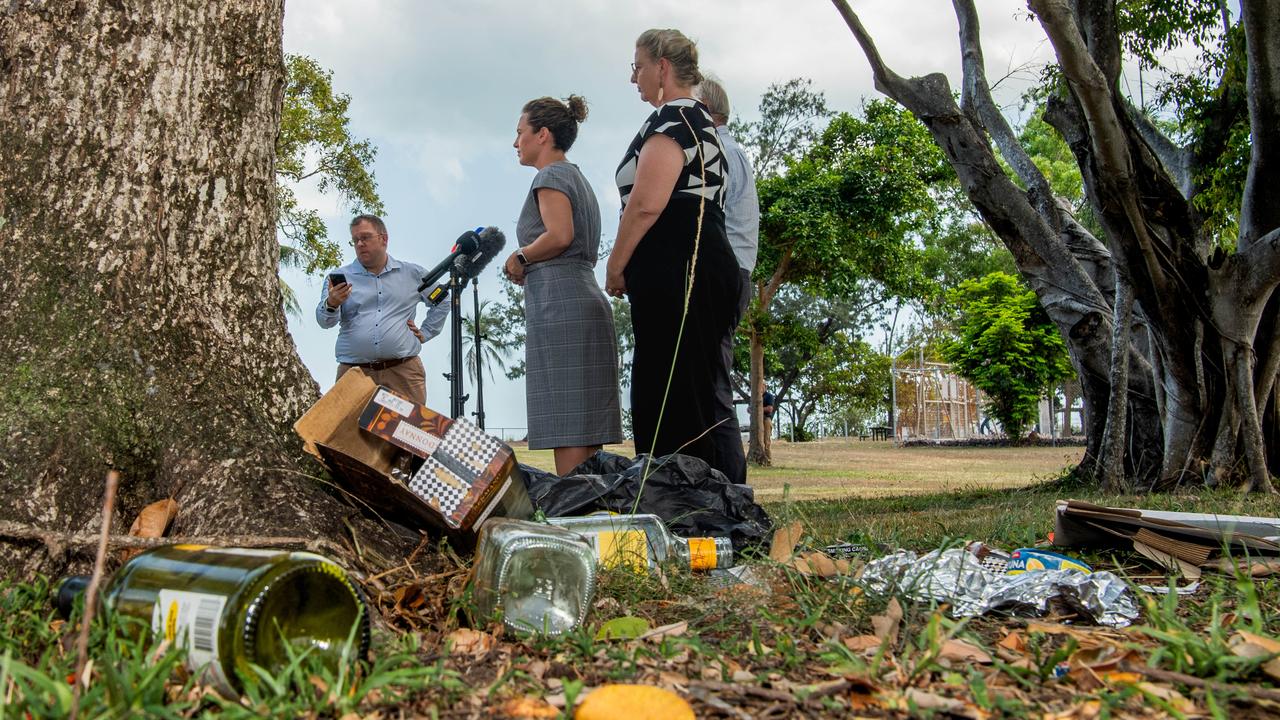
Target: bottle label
x=702 y=553
x=621 y=548
x=190 y=620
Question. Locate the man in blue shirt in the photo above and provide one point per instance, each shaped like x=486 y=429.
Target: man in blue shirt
x=376 y=305
x=742 y=224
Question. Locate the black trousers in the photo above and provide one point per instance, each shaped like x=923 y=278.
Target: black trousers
x=679 y=367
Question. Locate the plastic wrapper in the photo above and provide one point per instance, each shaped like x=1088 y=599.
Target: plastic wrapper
x=694 y=499
x=955 y=576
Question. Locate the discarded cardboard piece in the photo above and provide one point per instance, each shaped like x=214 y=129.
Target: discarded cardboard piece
x=359 y=430
x=1197 y=539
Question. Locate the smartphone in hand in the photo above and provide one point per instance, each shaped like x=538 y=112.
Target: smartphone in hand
x=336 y=279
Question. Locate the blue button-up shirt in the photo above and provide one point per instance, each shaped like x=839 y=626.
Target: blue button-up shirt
x=375 y=315
x=741 y=206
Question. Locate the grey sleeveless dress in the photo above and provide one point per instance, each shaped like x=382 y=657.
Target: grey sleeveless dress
x=571 y=355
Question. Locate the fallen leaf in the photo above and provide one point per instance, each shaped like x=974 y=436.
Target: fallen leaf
x=1248 y=645
x=659 y=634
x=465 y=641
x=1177 y=701
x=964 y=652
x=528 y=707
x=154 y=520
x=1014 y=641
x=862 y=643
x=784 y=542
x=886 y=625
x=626 y=627
x=821 y=565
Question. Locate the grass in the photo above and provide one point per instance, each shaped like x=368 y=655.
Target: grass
x=783 y=649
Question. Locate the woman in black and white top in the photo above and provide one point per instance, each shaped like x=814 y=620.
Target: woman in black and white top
x=672 y=234
x=571 y=355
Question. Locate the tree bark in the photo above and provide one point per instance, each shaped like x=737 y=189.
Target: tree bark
x=1113 y=470
x=143 y=326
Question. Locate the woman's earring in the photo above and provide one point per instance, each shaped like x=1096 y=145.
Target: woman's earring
x=660 y=93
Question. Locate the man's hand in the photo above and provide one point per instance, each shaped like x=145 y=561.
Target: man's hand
x=514 y=270
x=338 y=294
x=413 y=328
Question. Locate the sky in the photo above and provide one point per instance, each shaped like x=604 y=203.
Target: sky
x=437 y=88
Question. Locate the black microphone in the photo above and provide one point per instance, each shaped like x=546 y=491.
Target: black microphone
x=466 y=245
x=489 y=243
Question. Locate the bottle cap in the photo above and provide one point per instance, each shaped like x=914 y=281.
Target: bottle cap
x=69 y=588
x=709 y=553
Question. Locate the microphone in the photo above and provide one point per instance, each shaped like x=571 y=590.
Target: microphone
x=466 y=245
x=489 y=243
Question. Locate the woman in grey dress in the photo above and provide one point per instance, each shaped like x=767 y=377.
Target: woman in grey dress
x=570 y=350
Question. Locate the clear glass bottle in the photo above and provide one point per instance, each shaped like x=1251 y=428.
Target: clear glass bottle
x=644 y=541
x=234 y=607
x=541 y=578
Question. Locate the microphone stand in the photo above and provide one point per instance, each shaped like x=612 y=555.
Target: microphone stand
x=457 y=401
x=479 y=351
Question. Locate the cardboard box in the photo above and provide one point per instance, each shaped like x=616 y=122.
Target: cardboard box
x=358 y=430
x=1194 y=538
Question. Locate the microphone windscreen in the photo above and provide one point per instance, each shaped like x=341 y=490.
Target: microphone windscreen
x=489 y=242
x=467 y=243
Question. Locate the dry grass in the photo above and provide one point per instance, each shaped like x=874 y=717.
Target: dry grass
x=841 y=468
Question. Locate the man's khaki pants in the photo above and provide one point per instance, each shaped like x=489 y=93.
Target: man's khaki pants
x=408 y=378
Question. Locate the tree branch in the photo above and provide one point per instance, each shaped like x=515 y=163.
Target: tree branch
x=977 y=95
x=1175 y=160
x=1259 y=212
x=57 y=542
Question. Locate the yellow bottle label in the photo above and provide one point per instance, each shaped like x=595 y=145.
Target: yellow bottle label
x=702 y=553
x=190 y=620
x=621 y=548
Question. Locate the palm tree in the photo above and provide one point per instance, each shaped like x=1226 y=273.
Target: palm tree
x=492 y=351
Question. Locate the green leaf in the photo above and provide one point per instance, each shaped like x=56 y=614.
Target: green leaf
x=626 y=627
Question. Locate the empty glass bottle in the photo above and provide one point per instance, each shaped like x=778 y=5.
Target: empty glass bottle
x=232 y=608
x=541 y=578
x=643 y=541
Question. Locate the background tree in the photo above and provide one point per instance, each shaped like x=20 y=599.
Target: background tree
x=494 y=349
x=1007 y=348
x=142 y=326
x=1184 y=398
x=840 y=223
x=315 y=144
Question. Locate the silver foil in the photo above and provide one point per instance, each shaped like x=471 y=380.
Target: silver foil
x=955 y=576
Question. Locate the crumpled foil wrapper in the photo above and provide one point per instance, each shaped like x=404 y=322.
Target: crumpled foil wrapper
x=955 y=576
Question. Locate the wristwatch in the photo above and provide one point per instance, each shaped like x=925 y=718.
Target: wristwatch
x=520 y=256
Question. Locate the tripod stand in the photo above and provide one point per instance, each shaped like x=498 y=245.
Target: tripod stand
x=458 y=400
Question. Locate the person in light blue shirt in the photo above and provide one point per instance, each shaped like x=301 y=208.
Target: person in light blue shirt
x=742 y=226
x=375 y=307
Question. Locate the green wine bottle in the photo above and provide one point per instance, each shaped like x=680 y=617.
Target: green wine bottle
x=232 y=608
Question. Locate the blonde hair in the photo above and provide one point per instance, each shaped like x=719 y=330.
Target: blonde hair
x=678 y=50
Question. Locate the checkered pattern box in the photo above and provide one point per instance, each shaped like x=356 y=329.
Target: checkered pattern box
x=465 y=475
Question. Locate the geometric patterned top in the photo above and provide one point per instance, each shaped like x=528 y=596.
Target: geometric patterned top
x=688 y=123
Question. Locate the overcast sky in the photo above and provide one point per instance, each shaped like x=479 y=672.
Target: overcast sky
x=437 y=88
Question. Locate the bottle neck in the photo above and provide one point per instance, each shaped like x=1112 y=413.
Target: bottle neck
x=705 y=553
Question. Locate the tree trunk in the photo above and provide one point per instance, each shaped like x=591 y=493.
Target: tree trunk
x=143 y=325
x=758 y=449
x=1113 y=437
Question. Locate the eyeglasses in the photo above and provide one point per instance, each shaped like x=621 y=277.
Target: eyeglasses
x=363 y=238
x=636 y=68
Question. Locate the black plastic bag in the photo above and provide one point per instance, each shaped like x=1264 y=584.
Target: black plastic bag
x=691 y=497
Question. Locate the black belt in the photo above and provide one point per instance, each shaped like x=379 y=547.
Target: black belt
x=383 y=364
